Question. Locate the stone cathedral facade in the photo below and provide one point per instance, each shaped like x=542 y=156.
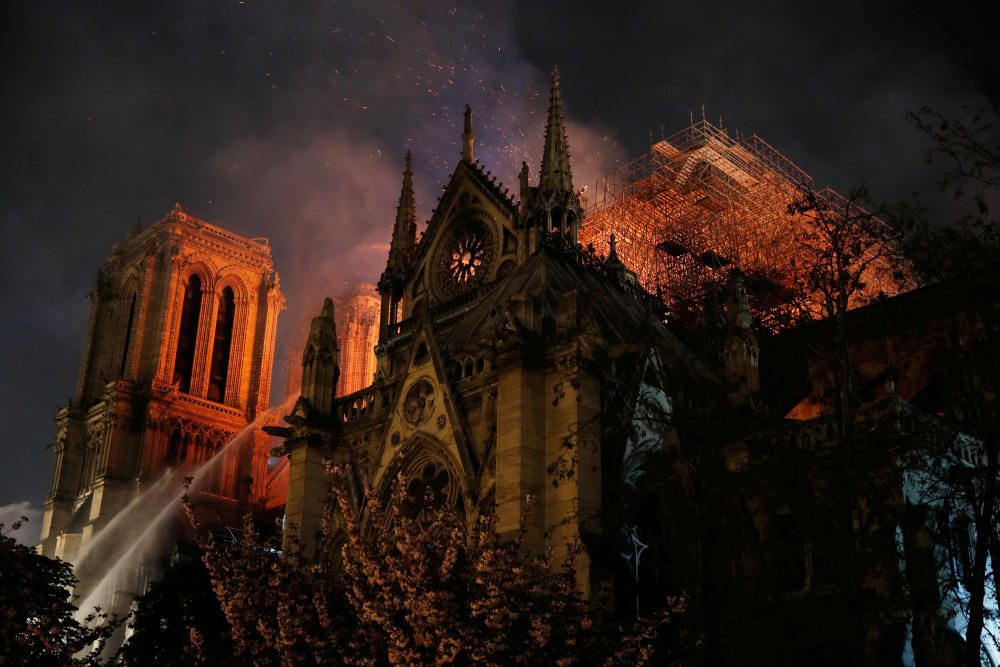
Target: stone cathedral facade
x=177 y=361
x=502 y=347
x=520 y=376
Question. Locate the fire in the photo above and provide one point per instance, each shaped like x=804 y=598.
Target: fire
x=701 y=203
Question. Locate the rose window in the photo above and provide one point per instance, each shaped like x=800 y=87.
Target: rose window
x=419 y=403
x=465 y=258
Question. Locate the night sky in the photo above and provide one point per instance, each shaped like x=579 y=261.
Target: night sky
x=290 y=121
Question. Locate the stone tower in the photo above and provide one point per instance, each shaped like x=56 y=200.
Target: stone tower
x=358 y=330
x=177 y=361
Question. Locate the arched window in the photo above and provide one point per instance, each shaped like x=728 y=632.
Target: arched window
x=187 y=337
x=556 y=216
x=542 y=220
x=128 y=337
x=220 y=348
x=428 y=488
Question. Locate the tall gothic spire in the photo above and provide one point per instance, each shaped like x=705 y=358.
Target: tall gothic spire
x=555 y=173
x=553 y=208
x=401 y=253
x=468 y=137
x=404 y=231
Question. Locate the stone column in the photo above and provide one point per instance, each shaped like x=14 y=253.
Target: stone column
x=572 y=449
x=144 y=292
x=275 y=304
x=206 y=338
x=88 y=346
x=308 y=486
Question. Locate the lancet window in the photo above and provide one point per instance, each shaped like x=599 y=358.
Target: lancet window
x=187 y=337
x=128 y=337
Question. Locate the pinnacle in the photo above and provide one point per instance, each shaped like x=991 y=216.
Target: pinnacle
x=405 y=228
x=556 y=174
x=406 y=211
x=327 y=311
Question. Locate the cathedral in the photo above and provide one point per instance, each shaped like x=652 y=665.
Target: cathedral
x=500 y=345
x=526 y=378
x=506 y=369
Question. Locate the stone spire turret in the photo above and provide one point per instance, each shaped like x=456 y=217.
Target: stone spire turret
x=468 y=137
x=556 y=174
x=613 y=258
x=401 y=253
x=404 y=231
x=320 y=369
x=553 y=207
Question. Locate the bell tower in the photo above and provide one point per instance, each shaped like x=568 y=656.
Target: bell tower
x=177 y=361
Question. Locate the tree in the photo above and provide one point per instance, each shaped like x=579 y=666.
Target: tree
x=967 y=150
x=850 y=256
x=278 y=605
x=967 y=147
x=39 y=621
x=179 y=621
x=402 y=583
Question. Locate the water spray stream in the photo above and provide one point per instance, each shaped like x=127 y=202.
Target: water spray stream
x=143 y=503
x=165 y=501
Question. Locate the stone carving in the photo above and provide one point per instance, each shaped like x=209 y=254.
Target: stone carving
x=419 y=403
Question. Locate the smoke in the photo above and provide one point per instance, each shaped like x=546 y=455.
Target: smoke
x=322 y=180
x=326 y=204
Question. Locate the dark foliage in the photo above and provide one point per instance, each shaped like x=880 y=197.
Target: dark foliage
x=38 y=626
x=179 y=620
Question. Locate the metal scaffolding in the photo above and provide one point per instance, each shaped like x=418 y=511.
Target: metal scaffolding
x=698 y=204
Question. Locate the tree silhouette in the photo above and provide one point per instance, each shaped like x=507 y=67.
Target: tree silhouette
x=403 y=586
x=39 y=624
